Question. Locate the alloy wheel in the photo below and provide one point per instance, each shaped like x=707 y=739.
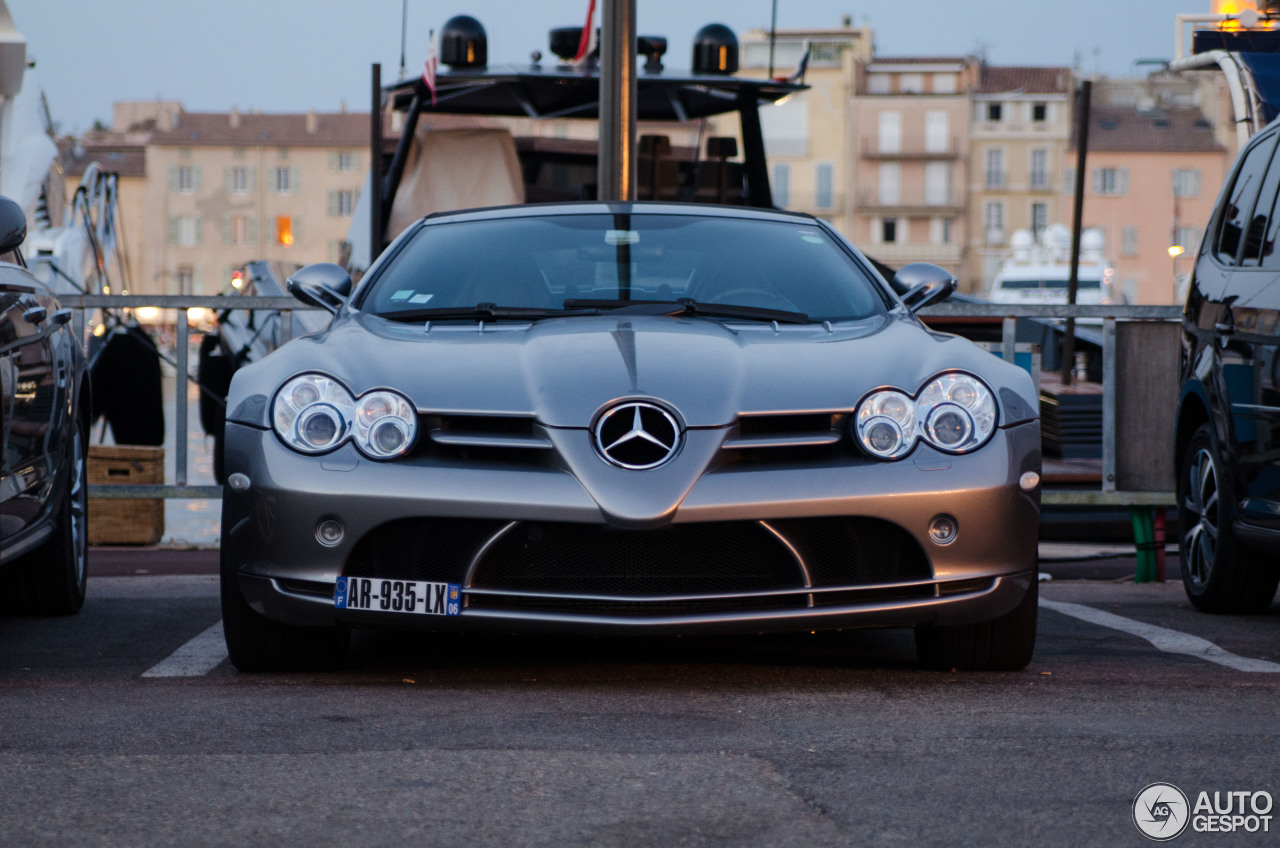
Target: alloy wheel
x=1201 y=514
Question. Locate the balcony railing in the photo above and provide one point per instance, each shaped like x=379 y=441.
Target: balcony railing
x=912 y=147
x=1111 y=317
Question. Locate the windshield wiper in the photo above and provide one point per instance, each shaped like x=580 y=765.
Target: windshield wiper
x=480 y=312
x=689 y=306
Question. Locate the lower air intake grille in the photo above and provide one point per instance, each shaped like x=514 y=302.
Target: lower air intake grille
x=703 y=559
x=435 y=549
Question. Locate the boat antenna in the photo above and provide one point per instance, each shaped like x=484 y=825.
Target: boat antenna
x=404 y=25
x=773 y=36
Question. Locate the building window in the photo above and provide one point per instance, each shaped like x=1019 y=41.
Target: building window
x=1129 y=241
x=240 y=230
x=1188 y=238
x=824 y=176
x=877 y=83
x=911 y=84
x=185 y=277
x=1039 y=169
x=239 y=180
x=284 y=230
x=343 y=161
x=1039 y=218
x=890 y=132
x=995 y=167
x=995 y=111
x=184 y=179
x=782 y=185
x=1039 y=112
x=995 y=222
x=1186 y=182
x=937 y=131
x=342 y=203
x=284 y=179
x=184 y=230
x=944 y=83
x=941 y=230
x=937 y=183
x=890 y=183
x=237 y=152
x=889 y=230
x=1111 y=182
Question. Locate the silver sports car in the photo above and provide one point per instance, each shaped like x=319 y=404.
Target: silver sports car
x=628 y=418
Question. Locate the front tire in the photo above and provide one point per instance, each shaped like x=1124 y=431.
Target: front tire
x=1217 y=573
x=52 y=579
x=1005 y=644
x=256 y=643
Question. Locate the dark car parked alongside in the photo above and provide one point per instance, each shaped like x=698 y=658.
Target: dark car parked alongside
x=1228 y=438
x=44 y=407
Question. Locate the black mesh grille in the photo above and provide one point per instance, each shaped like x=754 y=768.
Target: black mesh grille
x=681 y=560
x=856 y=551
x=636 y=609
x=435 y=549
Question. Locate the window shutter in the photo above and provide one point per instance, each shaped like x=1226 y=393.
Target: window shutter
x=199 y=230
x=1069 y=181
x=173 y=230
x=195 y=178
x=173 y=179
x=226 y=229
x=297 y=230
x=253 y=230
x=226 y=178
x=251 y=178
x=333 y=160
x=333 y=203
x=1122 y=181
x=1195 y=182
x=293 y=180
x=1097 y=181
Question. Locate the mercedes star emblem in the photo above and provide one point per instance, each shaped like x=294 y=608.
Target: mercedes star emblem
x=637 y=435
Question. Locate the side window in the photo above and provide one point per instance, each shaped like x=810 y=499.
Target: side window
x=1236 y=217
x=1258 y=247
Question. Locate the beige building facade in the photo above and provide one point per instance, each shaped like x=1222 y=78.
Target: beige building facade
x=1153 y=176
x=1021 y=126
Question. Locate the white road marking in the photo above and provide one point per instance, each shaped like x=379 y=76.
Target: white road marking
x=1169 y=641
x=194 y=659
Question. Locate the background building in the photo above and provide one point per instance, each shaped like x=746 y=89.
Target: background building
x=1020 y=128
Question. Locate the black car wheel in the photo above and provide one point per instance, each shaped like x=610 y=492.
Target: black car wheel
x=1218 y=574
x=1005 y=644
x=256 y=643
x=52 y=579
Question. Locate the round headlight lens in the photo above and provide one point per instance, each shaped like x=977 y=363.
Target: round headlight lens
x=885 y=424
x=311 y=413
x=385 y=425
x=958 y=411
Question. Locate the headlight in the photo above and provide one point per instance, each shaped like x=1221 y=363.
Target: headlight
x=385 y=425
x=315 y=414
x=312 y=413
x=953 y=412
x=886 y=424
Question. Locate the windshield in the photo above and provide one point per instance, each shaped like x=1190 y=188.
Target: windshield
x=541 y=262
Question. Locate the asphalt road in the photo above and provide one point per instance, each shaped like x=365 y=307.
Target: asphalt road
x=815 y=740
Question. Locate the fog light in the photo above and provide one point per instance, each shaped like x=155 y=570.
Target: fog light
x=943 y=529
x=1029 y=481
x=329 y=532
x=239 y=482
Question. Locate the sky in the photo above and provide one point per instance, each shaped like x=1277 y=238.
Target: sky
x=296 y=55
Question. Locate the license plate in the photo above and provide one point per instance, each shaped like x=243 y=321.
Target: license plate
x=412 y=596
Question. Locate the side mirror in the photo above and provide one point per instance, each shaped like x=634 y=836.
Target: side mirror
x=923 y=284
x=13 y=225
x=321 y=284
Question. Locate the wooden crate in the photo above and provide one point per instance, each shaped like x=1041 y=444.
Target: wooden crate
x=125 y=521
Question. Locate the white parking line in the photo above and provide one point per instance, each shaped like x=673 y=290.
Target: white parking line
x=1169 y=641
x=194 y=659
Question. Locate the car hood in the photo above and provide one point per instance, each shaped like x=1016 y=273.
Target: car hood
x=563 y=371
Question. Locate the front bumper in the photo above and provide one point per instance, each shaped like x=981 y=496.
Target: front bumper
x=270 y=541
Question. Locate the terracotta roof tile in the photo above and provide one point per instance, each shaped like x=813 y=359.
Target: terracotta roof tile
x=110 y=150
x=1031 y=80
x=1172 y=129
x=215 y=129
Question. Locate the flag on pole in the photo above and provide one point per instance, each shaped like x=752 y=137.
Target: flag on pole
x=429 y=72
x=587 y=43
